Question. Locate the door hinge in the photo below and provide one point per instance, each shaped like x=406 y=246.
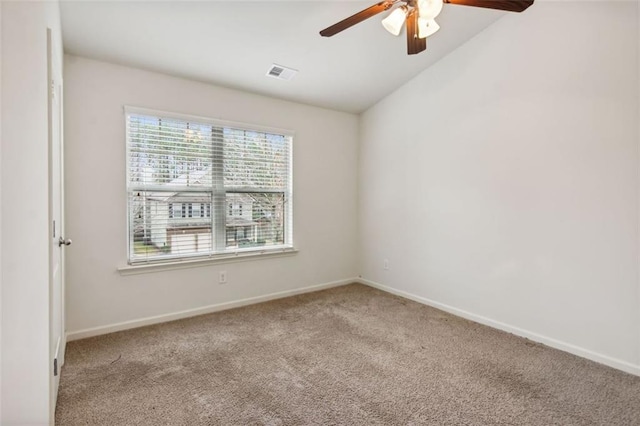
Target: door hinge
x=55 y=366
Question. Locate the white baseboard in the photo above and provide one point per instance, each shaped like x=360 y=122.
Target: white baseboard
x=557 y=344
x=97 y=331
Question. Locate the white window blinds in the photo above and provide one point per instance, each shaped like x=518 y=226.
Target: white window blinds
x=201 y=188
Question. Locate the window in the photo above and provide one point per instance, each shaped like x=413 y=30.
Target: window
x=202 y=188
x=175 y=210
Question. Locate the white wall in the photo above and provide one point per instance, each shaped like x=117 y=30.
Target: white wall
x=502 y=183
x=325 y=177
x=24 y=211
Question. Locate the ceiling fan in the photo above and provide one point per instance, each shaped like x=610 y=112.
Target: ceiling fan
x=419 y=16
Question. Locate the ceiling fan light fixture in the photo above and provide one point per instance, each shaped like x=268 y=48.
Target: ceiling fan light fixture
x=427 y=27
x=430 y=9
x=394 y=22
x=419 y=16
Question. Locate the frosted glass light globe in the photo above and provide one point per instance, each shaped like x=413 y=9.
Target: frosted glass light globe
x=429 y=9
x=394 y=22
x=427 y=27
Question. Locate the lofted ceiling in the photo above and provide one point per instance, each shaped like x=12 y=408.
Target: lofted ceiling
x=233 y=44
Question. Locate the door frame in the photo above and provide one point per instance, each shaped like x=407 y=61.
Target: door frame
x=56 y=227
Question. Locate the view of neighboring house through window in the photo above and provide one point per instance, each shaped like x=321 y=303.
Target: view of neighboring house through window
x=201 y=188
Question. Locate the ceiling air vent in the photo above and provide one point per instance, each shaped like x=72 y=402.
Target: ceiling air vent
x=281 y=73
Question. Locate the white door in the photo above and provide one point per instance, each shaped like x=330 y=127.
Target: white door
x=56 y=222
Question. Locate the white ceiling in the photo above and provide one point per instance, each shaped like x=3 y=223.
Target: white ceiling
x=233 y=43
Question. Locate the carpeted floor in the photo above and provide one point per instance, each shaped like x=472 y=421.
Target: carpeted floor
x=347 y=356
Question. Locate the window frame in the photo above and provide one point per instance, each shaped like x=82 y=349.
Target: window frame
x=195 y=258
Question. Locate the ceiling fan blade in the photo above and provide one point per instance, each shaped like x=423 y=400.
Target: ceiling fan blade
x=357 y=18
x=415 y=44
x=508 y=5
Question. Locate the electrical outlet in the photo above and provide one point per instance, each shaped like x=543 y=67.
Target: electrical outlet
x=223 y=277
x=385 y=264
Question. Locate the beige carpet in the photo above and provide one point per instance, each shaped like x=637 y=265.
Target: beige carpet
x=346 y=356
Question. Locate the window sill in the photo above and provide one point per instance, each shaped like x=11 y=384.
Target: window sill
x=144 y=268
